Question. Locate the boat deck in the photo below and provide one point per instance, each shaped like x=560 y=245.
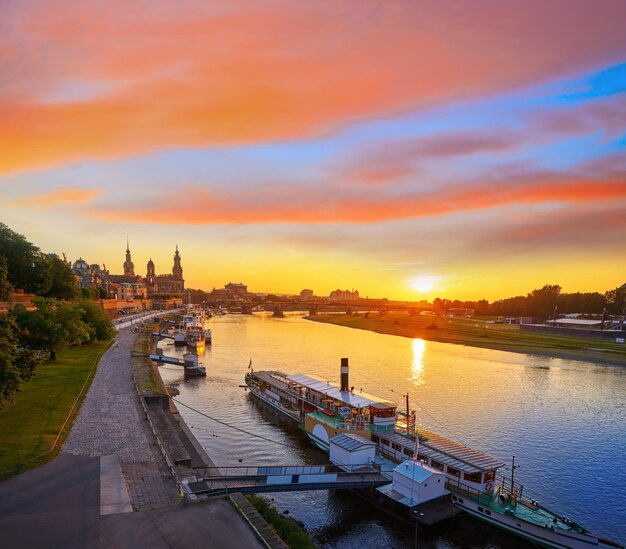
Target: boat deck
x=337 y=421
x=533 y=514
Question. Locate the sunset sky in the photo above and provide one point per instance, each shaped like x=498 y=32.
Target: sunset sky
x=405 y=149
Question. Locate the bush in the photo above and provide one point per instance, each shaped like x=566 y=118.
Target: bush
x=285 y=527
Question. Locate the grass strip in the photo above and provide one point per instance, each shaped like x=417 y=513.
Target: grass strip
x=31 y=423
x=286 y=528
x=478 y=333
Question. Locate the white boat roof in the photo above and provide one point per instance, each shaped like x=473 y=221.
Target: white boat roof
x=445 y=451
x=351 y=442
x=356 y=399
x=415 y=470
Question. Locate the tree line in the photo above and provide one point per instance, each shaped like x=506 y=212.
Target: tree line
x=543 y=303
x=63 y=315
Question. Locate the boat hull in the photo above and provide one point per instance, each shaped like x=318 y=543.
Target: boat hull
x=274 y=404
x=540 y=535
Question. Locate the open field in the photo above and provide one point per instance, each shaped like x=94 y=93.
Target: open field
x=478 y=333
x=30 y=424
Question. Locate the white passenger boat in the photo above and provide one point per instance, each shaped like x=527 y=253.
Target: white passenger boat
x=471 y=482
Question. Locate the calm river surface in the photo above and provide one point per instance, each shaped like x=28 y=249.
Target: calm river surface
x=564 y=421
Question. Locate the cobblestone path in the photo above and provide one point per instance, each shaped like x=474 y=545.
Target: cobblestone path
x=112 y=422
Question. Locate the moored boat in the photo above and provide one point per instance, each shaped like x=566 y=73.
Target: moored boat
x=326 y=410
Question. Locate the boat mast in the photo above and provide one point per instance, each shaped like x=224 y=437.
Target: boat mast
x=512 y=475
x=407 y=413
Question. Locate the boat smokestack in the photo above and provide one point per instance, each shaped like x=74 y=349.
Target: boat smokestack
x=345 y=385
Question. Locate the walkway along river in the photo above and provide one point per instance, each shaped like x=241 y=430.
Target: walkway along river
x=563 y=420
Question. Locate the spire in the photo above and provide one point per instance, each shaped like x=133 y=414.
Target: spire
x=127 y=246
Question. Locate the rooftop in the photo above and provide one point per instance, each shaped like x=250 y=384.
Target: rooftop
x=354 y=399
x=446 y=451
x=351 y=442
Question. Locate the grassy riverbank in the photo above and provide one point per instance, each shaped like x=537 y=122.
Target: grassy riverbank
x=30 y=424
x=478 y=333
x=286 y=528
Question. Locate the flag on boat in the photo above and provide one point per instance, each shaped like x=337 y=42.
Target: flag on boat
x=417 y=446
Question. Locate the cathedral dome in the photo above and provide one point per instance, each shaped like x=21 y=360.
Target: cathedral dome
x=80 y=264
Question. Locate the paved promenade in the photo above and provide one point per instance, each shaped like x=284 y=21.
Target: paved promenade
x=110 y=466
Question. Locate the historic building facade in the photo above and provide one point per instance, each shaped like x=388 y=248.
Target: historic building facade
x=165 y=284
x=90 y=276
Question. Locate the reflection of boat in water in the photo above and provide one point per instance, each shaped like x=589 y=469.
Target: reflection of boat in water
x=426 y=471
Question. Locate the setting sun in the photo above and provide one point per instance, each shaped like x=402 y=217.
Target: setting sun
x=423 y=283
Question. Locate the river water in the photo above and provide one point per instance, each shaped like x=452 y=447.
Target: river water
x=564 y=421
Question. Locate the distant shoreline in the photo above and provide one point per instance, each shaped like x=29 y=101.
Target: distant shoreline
x=478 y=334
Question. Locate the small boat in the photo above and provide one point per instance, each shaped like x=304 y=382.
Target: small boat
x=465 y=478
x=192 y=365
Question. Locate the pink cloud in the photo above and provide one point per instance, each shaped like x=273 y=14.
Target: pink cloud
x=338 y=206
x=202 y=74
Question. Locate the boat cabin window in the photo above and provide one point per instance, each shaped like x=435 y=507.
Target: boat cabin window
x=385 y=442
x=376 y=439
x=396 y=446
x=436 y=464
x=489 y=476
x=386 y=412
x=472 y=477
x=454 y=472
x=408 y=452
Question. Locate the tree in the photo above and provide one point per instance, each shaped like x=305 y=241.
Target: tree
x=17 y=365
x=28 y=267
x=542 y=303
x=99 y=326
x=63 y=283
x=52 y=326
x=5 y=285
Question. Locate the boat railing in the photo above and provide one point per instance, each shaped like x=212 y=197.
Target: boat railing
x=460 y=489
x=342 y=424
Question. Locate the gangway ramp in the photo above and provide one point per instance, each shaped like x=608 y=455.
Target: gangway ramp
x=285 y=479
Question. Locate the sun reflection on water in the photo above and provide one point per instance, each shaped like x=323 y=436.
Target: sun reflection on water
x=417 y=367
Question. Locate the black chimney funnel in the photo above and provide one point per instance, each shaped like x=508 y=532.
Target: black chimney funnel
x=345 y=386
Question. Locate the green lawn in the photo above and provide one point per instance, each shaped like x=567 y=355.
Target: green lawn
x=478 y=333
x=30 y=424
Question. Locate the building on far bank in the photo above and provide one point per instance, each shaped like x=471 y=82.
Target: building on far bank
x=306 y=294
x=344 y=295
x=237 y=288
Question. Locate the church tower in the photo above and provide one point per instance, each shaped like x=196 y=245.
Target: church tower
x=150 y=278
x=129 y=266
x=177 y=269
x=150 y=273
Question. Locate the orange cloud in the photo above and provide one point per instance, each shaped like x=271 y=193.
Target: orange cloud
x=196 y=207
x=106 y=80
x=57 y=197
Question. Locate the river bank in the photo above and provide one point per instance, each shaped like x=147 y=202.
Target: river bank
x=476 y=333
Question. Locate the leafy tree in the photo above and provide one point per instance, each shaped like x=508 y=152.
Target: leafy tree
x=28 y=267
x=63 y=282
x=543 y=302
x=5 y=285
x=17 y=365
x=52 y=326
x=99 y=326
